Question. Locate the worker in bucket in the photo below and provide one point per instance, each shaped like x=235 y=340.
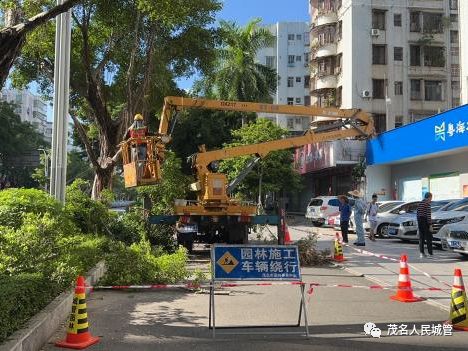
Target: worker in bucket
x=138 y=131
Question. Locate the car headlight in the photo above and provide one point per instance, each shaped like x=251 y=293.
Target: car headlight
x=455 y=220
x=409 y=223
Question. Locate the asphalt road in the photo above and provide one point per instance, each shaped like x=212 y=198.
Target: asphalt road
x=177 y=320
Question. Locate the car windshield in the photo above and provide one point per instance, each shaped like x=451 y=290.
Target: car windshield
x=437 y=205
x=388 y=206
x=316 y=202
x=452 y=206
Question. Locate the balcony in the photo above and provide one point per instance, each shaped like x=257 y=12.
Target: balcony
x=324 y=17
x=328 y=49
x=324 y=81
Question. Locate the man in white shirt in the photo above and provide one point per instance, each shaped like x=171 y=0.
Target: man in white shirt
x=372 y=211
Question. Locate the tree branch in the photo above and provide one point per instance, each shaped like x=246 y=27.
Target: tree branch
x=85 y=140
x=131 y=64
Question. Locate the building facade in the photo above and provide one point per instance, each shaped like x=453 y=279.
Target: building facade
x=398 y=60
x=290 y=57
x=463 y=13
x=31 y=108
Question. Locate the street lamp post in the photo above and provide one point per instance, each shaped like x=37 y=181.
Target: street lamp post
x=61 y=100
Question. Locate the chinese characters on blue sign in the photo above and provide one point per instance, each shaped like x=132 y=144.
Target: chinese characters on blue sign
x=247 y=262
x=447 y=130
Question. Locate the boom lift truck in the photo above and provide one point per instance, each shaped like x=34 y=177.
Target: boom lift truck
x=219 y=217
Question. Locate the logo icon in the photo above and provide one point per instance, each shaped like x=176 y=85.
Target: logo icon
x=372 y=330
x=228 y=262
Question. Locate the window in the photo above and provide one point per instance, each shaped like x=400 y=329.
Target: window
x=453 y=4
x=298 y=36
x=416 y=89
x=290 y=36
x=398 y=53
x=270 y=61
x=298 y=58
x=306 y=57
x=306 y=81
x=399 y=121
x=415 y=21
x=298 y=79
x=379 y=53
x=433 y=90
x=455 y=51
x=398 y=88
x=378 y=88
x=307 y=100
x=455 y=101
x=432 y=23
x=380 y=123
x=290 y=82
x=298 y=100
x=415 y=55
x=378 y=19
x=455 y=85
x=290 y=123
x=454 y=36
x=397 y=19
x=453 y=18
x=339 y=96
x=298 y=120
x=290 y=101
x=291 y=60
x=455 y=70
x=434 y=56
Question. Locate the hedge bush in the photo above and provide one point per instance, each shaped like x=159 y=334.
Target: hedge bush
x=21 y=297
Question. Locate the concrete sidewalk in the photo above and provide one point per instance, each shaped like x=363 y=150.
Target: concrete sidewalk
x=177 y=320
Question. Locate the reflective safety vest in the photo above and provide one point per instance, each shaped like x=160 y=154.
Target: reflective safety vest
x=138 y=133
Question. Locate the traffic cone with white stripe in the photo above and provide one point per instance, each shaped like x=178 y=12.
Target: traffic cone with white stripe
x=287 y=236
x=458 y=303
x=404 y=291
x=338 y=249
x=78 y=335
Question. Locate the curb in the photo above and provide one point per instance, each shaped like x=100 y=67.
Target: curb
x=43 y=325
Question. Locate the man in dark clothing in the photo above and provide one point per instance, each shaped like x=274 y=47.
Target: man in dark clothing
x=424 y=225
x=345 y=213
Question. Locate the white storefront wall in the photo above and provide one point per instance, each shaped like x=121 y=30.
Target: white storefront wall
x=445 y=176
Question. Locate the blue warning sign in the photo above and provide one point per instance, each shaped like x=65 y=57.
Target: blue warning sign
x=255 y=262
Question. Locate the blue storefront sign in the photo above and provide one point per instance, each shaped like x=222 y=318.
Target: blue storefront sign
x=440 y=133
x=255 y=262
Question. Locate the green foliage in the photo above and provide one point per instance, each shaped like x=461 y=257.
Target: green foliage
x=22 y=296
x=128 y=228
x=15 y=204
x=276 y=168
x=237 y=74
x=139 y=264
x=89 y=215
x=174 y=185
x=359 y=171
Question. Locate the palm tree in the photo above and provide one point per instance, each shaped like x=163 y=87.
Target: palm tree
x=238 y=76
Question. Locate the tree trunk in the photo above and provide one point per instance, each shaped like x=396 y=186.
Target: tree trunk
x=102 y=180
x=12 y=38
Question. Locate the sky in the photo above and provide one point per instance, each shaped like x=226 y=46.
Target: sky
x=270 y=11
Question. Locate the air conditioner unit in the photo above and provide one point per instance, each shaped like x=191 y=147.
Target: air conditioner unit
x=366 y=94
x=375 y=32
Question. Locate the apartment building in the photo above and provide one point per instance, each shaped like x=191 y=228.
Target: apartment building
x=290 y=57
x=463 y=13
x=31 y=108
x=398 y=60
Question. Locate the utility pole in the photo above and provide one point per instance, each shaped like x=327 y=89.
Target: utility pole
x=58 y=167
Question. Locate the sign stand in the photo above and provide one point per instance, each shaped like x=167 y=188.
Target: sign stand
x=230 y=259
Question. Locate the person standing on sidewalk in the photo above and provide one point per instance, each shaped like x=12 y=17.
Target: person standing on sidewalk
x=424 y=215
x=359 y=212
x=345 y=213
x=372 y=211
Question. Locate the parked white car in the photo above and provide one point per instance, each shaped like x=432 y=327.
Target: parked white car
x=455 y=212
x=455 y=238
x=405 y=226
x=322 y=207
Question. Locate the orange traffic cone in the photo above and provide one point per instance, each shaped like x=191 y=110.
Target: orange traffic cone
x=287 y=236
x=338 y=249
x=78 y=336
x=458 y=304
x=404 y=291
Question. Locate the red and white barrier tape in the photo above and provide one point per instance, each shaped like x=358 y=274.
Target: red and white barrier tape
x=368 y=253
